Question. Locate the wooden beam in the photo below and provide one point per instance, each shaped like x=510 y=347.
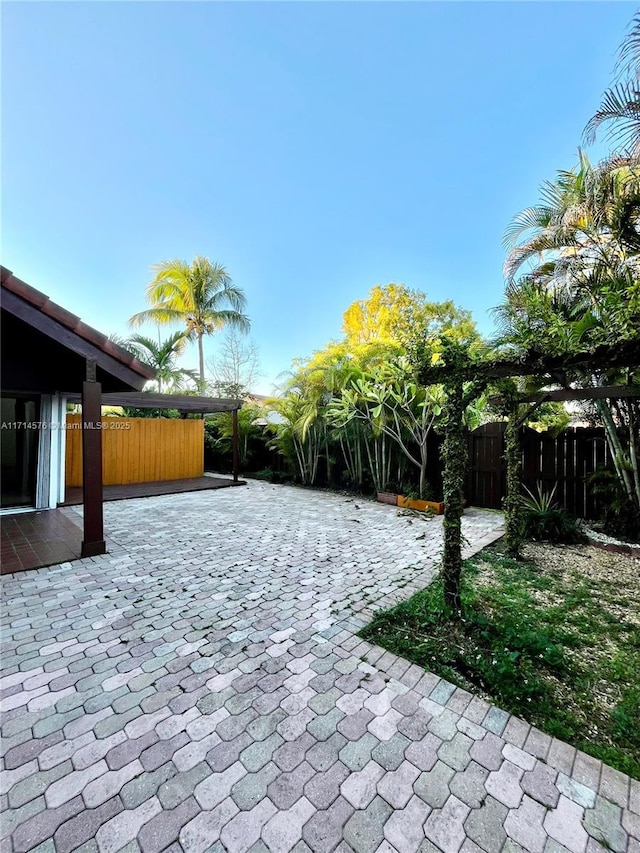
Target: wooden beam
x=182 y=402
x=543 y=398
x=93 y=542
x=602 y=392
x=624 y=354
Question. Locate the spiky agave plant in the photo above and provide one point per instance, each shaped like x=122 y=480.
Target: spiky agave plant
x=544 y=519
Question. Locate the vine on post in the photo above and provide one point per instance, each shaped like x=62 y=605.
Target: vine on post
x=511 y=504
x=454 y=457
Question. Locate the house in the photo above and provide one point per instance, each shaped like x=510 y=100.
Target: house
x=49 y=358
x=48 y=353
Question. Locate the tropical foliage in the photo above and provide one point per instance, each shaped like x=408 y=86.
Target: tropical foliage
x=620 y=107
x=162 y=356
x=582 y=288
x=573 y=262
x=200 y=296
x=219 y=435
x=356 y=407
x=573 y=269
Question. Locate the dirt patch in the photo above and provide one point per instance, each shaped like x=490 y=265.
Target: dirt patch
x=616 y=576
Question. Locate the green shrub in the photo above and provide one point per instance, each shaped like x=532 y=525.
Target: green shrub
x=544 y=519
x=618 y=514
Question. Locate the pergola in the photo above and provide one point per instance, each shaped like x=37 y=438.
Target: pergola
x=92 y=401
x=464 y=379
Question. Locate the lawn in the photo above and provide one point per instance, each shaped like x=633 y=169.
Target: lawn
x=554 y=639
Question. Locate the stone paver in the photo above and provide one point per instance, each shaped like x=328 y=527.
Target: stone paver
x=445 y=826
x=485 y=825
x=201 y=689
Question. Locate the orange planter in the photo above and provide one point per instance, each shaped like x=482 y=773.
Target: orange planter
x=436 y=507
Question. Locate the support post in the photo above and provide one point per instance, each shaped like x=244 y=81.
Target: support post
x=93 y=542
x=235 y=445
x=511 y=505
x=454 y=456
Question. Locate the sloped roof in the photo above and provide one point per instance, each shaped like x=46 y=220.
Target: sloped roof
x=45 y=306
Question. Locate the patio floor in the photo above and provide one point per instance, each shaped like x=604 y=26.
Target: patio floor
x=201 y=688
x=34 y=539
x=126 y=491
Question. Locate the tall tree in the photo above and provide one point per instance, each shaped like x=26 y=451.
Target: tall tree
x=573 y=261
x=393 y=314
x=580 y=250
x=620 y=106
x=235 y=367
x=200 y=296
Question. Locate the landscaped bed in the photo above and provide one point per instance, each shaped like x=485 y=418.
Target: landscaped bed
x=554 y=639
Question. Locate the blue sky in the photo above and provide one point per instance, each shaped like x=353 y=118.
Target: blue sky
x=315 y=149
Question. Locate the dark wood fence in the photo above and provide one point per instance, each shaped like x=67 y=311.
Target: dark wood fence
x=567 y=460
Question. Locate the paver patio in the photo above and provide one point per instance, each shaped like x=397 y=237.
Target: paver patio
x=201 y=688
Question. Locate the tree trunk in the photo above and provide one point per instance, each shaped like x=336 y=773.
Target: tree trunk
x=454 y=458
x=633 y=450
x=423 y=469
x=201 y=359
x=615 y=446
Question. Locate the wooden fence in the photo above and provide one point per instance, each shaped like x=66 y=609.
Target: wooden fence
x=567 y=460
x=139 y=450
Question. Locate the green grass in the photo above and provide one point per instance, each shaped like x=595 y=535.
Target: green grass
x=549 y=643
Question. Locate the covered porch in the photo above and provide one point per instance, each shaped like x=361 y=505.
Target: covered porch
x=50 y=357
x=35 y=540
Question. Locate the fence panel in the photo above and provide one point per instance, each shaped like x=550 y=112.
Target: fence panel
x=485 y=482
x=565 y=462
x=140 y=450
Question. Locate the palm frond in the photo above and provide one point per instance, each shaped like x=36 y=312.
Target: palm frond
x=620 y=108
x=628 y=63
x=160 y=316
x=538 y=216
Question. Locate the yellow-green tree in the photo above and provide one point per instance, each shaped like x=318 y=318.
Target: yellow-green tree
x=393 y=315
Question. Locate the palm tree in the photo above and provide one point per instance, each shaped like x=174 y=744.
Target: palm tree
x=580 y=250
x=200 y=296
x=161 y=355
x=620 y=107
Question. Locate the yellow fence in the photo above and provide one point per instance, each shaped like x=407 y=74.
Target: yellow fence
x=139 y=450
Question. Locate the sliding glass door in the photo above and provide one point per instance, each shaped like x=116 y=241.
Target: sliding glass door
x=19 y=449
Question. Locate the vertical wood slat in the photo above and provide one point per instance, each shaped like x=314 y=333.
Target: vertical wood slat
x=140 y=450
x=567 y=460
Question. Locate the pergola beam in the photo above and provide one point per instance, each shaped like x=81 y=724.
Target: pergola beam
x=459 y=369
x=184 y=403
x=625 y=354
x=602 y=392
